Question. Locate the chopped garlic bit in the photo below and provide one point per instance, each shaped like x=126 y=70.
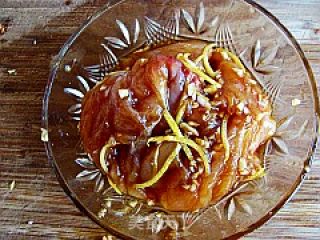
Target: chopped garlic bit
x=193 y=187
x=295 y=102
x=123 y=93
x=109 y=237
x=133 y=203
x=195 y=175
x=190 y=130
x=108 y=204
x=192 y=91
x=243 y=167
x=263 y=102
x=193 y=124
x=252 y=82
x=225 y=55
x=102 y=213
x=246 y=110
x=203 y=101
x=187 y=187
x=67 y=68
x=239 y=72
x=203 y=143
x=195 y=105
x=194 y=181
x=261 y=116
x=142 y=61
x=210 y=90
x=219 y=76
x=159 y=214
x=240 y=106
x=150 y=202
x=103 y=87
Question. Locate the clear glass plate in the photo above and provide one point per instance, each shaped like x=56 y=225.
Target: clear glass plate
x=265 y=47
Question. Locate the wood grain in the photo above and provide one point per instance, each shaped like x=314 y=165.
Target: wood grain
x=37 y=207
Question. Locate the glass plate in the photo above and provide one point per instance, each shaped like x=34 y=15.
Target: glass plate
x=267 y=50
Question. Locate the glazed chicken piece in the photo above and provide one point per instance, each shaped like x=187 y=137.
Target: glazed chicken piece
x=128 y=108
x=250 y=124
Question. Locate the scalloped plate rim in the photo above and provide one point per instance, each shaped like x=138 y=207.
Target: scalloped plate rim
x=57 y=62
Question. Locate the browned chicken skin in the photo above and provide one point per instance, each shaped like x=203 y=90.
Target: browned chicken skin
x=158 y=81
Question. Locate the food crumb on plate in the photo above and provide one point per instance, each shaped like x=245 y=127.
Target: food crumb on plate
x=12 y=185
x=295 y=102
x=44 y=135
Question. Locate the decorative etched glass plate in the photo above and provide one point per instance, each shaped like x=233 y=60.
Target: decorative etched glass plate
x=270 y=54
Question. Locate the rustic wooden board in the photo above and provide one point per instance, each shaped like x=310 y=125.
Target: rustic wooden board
x=37 y=207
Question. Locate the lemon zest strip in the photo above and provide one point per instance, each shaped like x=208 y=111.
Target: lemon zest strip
x=206 y=63
x=114 y=186
x=171 y=122
x=163 y=169
x=193 y=67
x=103 y=165
x=181 y=112
x=235 y=59
x=176 y=130
x=186 y=141
x=103 y=152
x=259 y=174
x=199 y=59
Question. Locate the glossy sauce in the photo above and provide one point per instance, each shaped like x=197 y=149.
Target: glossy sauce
x=159 y=82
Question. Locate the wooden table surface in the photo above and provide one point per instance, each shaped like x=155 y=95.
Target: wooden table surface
x=32 y=204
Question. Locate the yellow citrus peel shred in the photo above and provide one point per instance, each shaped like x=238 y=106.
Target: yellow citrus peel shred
x=235 y=59
x=181 y=111
x=205 y=60
x=103 y=152
x=111 y=143
x=176 y=131
x=259 y=174
x=186 y=141
x=184 y=58
x=114 y=186
x=172 y=123
x=163 y=169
